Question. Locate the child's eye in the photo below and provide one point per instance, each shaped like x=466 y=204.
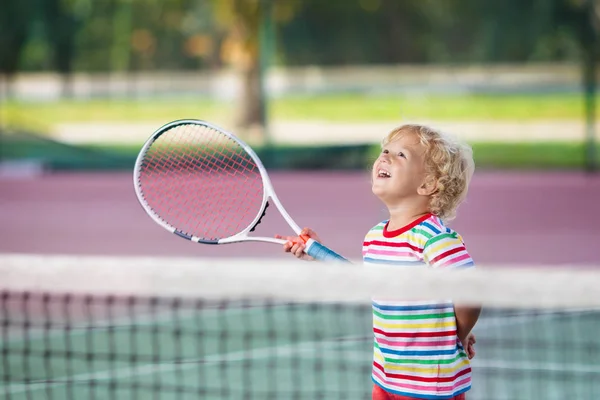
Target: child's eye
x=385 y=151
x=401 y=154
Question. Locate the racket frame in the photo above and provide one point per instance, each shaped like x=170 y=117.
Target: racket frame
x=268 y=190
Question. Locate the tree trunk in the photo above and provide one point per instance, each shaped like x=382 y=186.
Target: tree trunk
x=67 y=89
x=6 y=86
x=251 y=113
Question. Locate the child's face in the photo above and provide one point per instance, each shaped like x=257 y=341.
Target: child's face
x=399 y=171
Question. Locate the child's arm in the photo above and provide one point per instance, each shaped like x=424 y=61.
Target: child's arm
x=447 y=250
x=466 y=318
x=296 y=246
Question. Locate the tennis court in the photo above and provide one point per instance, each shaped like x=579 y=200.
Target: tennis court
x=210 y=352
x=97 y=301
x=97 y=213
x=68 y=348
x=537 y=355
x=104 y=346
x=272 y=351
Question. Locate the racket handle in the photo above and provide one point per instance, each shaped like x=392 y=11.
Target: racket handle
x=319 y=252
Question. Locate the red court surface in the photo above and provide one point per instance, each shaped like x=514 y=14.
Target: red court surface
x=509 y=217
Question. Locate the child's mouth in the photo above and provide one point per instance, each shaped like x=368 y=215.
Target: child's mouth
x=383 y=174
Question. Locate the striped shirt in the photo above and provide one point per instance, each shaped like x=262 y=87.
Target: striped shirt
x=416 y=348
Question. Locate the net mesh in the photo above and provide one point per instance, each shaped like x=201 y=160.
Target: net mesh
x=128 y=328
x=201 y=182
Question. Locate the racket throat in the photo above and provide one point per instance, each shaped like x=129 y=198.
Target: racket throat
x=264 y=211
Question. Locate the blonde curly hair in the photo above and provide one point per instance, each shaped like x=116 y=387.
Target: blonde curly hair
x=448 y=161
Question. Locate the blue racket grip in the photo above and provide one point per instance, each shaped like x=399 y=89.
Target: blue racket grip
x=319 y=252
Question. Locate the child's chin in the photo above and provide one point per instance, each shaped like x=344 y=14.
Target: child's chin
x=378 y=191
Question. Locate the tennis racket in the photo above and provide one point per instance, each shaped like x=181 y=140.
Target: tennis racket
x=205 y=185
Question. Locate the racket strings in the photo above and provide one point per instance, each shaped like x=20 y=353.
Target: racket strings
x=202 y=182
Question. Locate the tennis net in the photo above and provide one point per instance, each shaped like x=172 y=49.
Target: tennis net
x=164 y=328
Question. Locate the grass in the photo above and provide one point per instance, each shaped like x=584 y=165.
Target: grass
x=443 y=107
x=44 y=116
x=488 y=155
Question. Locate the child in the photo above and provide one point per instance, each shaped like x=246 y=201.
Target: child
x=422 y=177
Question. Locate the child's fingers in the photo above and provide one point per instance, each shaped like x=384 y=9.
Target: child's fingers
x=296 y=245
x=298 y=250
x=304 y=233
x=471 y=352
x=290 y=242
x=288 y=238
x=310 y=233
x=472 y=339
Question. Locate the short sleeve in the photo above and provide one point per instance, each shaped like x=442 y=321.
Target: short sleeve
x=447 y=250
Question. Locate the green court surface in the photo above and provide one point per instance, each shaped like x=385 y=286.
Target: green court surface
x=537 y=355
x=269 y=351
x=240 y=352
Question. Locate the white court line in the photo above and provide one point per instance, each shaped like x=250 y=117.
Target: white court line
x=532 y=366
x=523 y=319
x=519 y=319
x=479 y=363
x=150 y=369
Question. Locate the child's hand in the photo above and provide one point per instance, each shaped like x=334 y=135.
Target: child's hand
x=471 y=346
x=296 y=245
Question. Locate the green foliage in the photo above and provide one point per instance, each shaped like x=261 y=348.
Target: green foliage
x=188 y=34
x=15 y=18
x=429 y=31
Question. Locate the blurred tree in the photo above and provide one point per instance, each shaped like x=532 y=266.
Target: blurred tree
x=428 y=31
x=203 y=36
x=142 y=35
x=62 y=25
x=585 y=16
x=247 y=33
x=120 y=56
x=15 y=22
x=95 y=42
x=184 y=34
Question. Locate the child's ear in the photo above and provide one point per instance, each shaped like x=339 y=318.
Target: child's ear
x=428 y=187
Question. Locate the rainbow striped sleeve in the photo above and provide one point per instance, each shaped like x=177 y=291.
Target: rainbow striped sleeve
x=447 y=250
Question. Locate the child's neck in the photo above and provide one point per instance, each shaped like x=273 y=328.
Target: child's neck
x=400 y=217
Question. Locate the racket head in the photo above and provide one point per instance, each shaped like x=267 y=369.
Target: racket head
x=201 y=182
